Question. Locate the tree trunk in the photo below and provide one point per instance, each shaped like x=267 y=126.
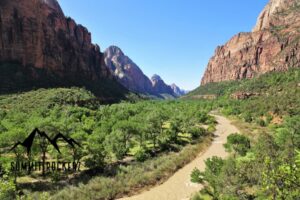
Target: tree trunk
x=44 y=162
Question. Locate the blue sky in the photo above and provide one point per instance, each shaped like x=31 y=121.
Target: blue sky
x=172 y=38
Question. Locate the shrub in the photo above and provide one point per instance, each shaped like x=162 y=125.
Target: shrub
x=7 y=189
x=196 y=132
x=141 y=155
x=196 y=176
x=237 y=143
x=211 y=128
x=203 y=117
x=247 y=117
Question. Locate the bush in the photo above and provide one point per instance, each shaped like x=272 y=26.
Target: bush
x=196 y=132
x=211 y=128
x=141 y=155
x=196 y=176
x=55 y=177
x=132 y=177
x=247 y=117
x=203 y=117
x=7 y=189
x=197 y=196
x=237 y=143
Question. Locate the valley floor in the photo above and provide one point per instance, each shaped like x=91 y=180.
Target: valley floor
x=179 y=186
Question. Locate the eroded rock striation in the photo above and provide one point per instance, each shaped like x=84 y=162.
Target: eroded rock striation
x=273 y=45
x=48 y=48
x=126 y=71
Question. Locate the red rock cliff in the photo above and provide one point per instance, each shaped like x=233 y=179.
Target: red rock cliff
x=37 y=35
x=273 y=45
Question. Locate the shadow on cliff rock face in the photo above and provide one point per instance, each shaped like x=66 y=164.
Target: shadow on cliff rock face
x=16 y=78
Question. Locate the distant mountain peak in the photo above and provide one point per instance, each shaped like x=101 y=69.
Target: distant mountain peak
x=173 y=85
x=114 y=50
x=177 y=90
x=126 y=71
x=132 y=77
x=160 y=86
x=155 y=78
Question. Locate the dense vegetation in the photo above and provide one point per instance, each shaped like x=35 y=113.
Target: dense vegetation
x=132 y=145
x=266 y=166
x=274 y=95
x=139 y=143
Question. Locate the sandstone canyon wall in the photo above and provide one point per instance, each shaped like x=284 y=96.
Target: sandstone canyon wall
x=40 y=47
x=273 y=45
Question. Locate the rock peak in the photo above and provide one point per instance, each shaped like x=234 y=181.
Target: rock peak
x=177 y=90
x=270 y=12
x=126 y=71
x=156 y=77
x=272 y=46
x=50 y=2
x=114 y=50
x=53 y=4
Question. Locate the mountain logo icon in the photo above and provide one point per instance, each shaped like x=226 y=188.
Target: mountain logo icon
x=28 y=142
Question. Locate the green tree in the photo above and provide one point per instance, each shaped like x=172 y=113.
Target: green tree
x=116 y=143
x=119 y=140
x=196 y=132
x=78 y=151
x=196 y=176
x=238 y=143
x=281 y=180
x=155 y=123
x=173 y=131
x=96 y=150
x=209 y=178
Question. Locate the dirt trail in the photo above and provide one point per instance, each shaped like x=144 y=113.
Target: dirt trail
x=178 y=186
